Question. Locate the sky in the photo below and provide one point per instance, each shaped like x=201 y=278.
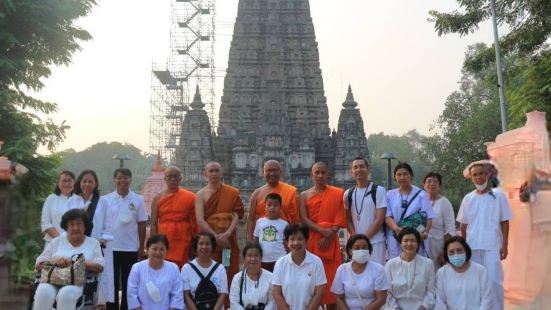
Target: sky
x=400 y=70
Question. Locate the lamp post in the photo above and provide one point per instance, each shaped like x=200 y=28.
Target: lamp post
x=500 y=82
x=389 y=157
x=121 y=158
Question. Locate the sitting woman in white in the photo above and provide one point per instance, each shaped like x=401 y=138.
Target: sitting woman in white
x=411 y=276
x=462 y=284
x=360 y=284
x=154 y=283
x=203 y=245
x=299 y=278
x=59 y=251
x=252 y=288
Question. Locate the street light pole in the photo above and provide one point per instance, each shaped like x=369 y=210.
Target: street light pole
x=501 y=84
x=389 y=157
x=121 y=159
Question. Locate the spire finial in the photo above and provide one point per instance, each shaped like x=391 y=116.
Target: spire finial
x=350 y=103
x=197 y=104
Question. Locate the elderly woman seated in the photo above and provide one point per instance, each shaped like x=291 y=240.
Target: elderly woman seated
x=59 y=251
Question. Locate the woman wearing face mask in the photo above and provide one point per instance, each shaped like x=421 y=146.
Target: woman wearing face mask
x=56 y=205
x=360 y=284
x=252 y=288
x=155 y=283
x=462 y=284
x=411 y=276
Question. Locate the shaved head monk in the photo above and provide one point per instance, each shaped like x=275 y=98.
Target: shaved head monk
x=173 y=214
x=322 y=210
x=288 y=193
x=218 y=208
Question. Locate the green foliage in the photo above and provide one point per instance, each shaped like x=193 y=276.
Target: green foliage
x=407 y=148
x=529 y=23
x=99 y=157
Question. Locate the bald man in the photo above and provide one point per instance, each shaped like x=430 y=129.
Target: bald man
x=289 y=204
x=322 y=210
x=218 y=208
x=173 y=214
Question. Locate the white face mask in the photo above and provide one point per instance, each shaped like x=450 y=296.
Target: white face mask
x=481 y=187
x=361 y=256
x=153 y=292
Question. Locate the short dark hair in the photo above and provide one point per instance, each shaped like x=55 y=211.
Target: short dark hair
x=123 y=171
x=433 y=174
x=156 y=238
x=273 y=196
x=403 y=165
x=295 y=228
x=251 y=246
x=78 y=190
x=360 y=158
x=353 y=239
x=410 y=231
x=57 y=190
x=468 y=251
x=195 y=240
x=75 y=214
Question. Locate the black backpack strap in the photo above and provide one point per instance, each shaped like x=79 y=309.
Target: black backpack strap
x=91 y=210
x=212 y=271
x=241 y=288
x=349 y=197
x=197 y=271
x=374 y=194
x=409 y=203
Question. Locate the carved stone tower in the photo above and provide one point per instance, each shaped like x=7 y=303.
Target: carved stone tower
x=350 y=141
x=196 y=144
x=273 y=105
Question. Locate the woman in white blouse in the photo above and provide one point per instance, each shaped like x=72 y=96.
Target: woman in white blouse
x=462 y=284
x=360 y=284
x=59 y=252
x=154 y=283
x=56 y=205
x=443 y=223
x=252 y=288
x=411 y=276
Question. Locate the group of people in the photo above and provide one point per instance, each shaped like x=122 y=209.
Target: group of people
x=402 y=251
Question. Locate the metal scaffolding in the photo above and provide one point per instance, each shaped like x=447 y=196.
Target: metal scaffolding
x=189 y=64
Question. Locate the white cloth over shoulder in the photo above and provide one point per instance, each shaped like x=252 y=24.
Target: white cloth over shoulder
x=53 y=209
x=298 y=282
x=483 y=215
x=253 y=293
x=471 y=289
x=167 y=280
x=355 y=286
x=411 y=283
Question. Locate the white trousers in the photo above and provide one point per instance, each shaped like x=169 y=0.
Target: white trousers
x=65 y=296
x=378 y=254
x=491 y=260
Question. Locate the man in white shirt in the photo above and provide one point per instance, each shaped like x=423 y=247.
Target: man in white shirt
x=128 y=232
x=484 y=216
x=366 y=216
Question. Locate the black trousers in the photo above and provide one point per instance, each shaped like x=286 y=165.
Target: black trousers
x=122 y=264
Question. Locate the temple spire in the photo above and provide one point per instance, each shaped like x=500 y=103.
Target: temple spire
x=197 y=104
x=350 y=103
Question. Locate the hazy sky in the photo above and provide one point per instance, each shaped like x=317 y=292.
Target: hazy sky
x=401 y=72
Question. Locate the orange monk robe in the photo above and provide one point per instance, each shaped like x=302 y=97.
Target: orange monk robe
x=218 y=214
x=289 y=203
x=326 y=209
x=177 y=221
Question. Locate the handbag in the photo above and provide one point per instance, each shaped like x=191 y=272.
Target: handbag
x=413 y=220
x=75 y=274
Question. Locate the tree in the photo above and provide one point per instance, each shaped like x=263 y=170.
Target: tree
x=34 y=34
x=99 y=157
x=529 y=23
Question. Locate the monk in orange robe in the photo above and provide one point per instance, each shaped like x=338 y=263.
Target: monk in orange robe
x=218 y=208
x=322 y=210
x=173 y=214
x=289 y=204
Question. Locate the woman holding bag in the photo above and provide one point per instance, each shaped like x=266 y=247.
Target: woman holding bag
x=59 y=252
x=408 y=206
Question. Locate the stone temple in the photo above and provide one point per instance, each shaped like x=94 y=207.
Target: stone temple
x=273 y=106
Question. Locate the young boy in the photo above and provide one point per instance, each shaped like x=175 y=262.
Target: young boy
x=268 y=232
